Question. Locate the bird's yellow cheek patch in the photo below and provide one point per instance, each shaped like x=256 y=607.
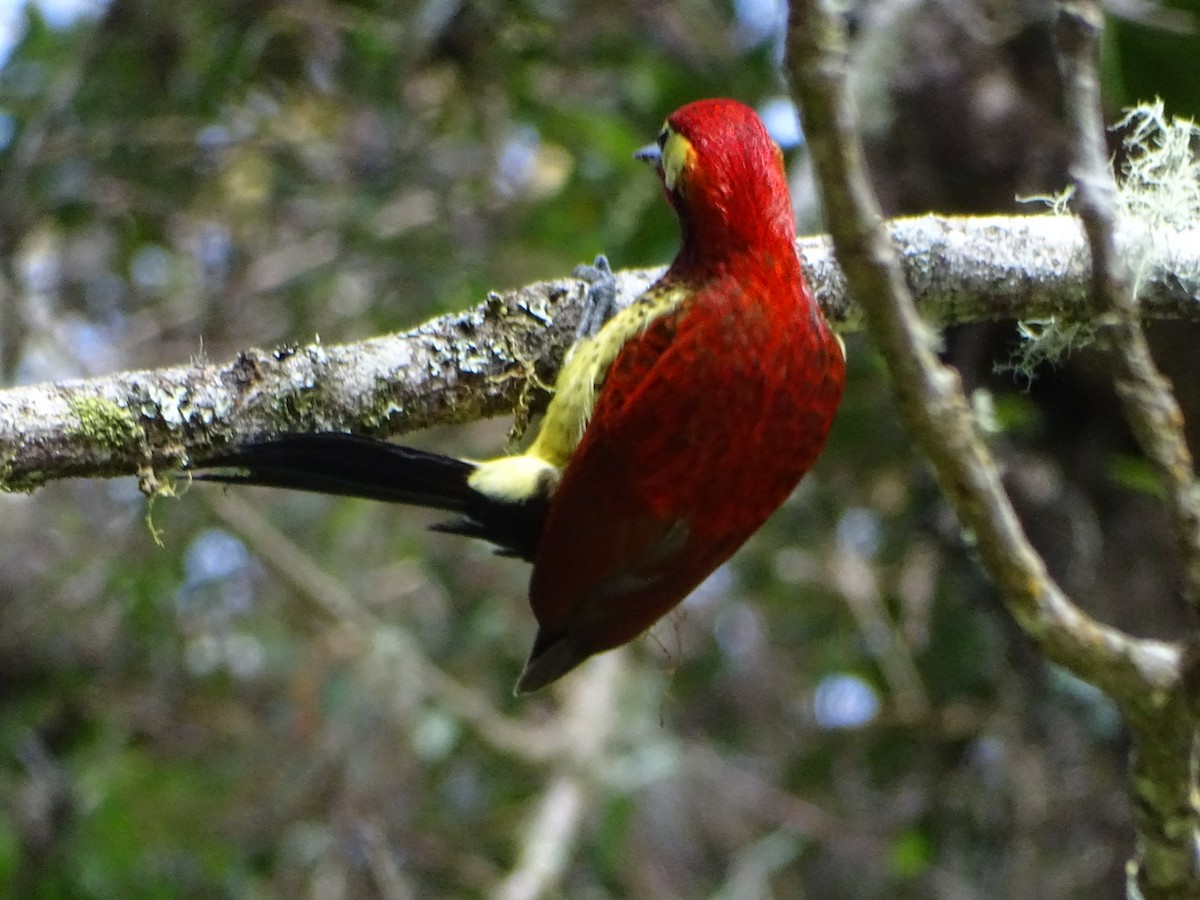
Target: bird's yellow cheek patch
x=677 y=154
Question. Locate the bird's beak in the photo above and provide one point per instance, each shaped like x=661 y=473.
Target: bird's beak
x=650 y=155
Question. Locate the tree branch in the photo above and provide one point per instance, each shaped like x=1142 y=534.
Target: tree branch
x=590 y=724
x=486 y=360
x=1165 y=811
x=1150 y=681
x=930 y=394
x=1146 y=397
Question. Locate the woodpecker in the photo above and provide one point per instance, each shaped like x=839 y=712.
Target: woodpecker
x=677 y=425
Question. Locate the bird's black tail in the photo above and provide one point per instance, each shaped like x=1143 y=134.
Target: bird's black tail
x=348 y=465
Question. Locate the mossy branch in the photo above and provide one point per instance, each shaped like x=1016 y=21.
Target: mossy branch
x=486 y=360
x=1165 y=729
x=1152 y=682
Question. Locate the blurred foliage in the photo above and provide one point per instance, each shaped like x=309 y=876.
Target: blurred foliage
x=1149 y=57
x=843 y=711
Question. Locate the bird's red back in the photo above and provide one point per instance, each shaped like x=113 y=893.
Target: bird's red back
x=706 y=420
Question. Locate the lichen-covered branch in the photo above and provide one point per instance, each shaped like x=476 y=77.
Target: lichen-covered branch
x=930 y=394
x=1150 y=681
x=486 y=360
x=1147 y=400
x=456 y=368
x=1165 y=732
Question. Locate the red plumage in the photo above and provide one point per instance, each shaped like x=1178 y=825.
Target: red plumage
x=714 y=395
x=706 y=420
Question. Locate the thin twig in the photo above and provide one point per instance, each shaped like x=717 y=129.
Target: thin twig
x=855 y=580
x=590 y=721
x=382 y=863
x=572 y=746
x=530 y=744
x=930 y=394
x=1166 y=811
x=1146 y=397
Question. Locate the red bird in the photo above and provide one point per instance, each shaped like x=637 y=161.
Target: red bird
x=676 y=428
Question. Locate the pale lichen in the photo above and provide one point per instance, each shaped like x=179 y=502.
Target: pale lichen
x=1158 y=217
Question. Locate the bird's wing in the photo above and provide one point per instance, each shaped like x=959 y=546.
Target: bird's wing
x=706 y=422
x=618 y=550
x=585 y=369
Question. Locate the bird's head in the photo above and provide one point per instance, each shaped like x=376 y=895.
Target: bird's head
x=724 y=177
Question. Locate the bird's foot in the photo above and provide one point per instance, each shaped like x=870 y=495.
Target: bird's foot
x=601 y=300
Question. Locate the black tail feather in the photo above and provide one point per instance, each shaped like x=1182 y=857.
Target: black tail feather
x=348 y=465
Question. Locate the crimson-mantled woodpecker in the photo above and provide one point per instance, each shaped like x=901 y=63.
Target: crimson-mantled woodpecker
x=675 y=429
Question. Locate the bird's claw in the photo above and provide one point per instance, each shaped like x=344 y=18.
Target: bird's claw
x=601 y=300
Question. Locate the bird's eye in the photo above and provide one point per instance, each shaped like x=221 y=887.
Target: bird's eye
x=662 y=137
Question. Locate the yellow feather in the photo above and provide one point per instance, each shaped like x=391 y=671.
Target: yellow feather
x=584 y=370
x=678 y=155
x=537 y=470
x=511 y=479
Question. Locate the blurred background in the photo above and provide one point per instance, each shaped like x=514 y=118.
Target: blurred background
x=260 y=695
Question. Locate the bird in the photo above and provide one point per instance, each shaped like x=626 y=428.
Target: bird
x=678 y=424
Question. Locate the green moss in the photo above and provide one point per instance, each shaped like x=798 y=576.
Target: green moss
x=106 y=423
x=301 y=405
x=25 y=483
x=382 y=407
